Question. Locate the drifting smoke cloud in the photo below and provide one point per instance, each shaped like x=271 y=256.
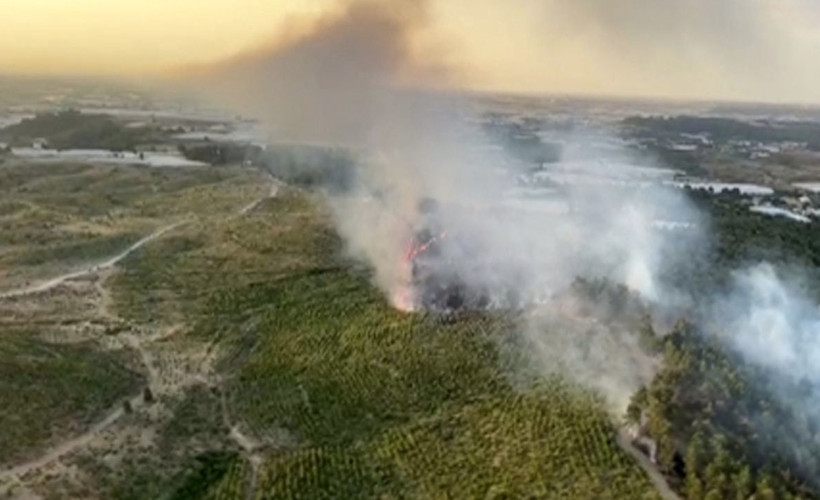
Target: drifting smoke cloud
x=737 y=32
x=340 y=82
x=337 y=83
x=773 y=323
x=727 y=49
x=326 y=78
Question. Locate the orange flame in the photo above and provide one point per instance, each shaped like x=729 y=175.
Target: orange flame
x=404 y=297
x=414 y=251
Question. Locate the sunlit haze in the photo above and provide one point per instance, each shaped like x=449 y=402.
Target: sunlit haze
x=732 y=49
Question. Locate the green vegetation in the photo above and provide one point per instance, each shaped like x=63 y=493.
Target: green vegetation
x=297 y=164
x=50 y=391
x=741 y=238
x=720 y=427
x=88 y=250
x=724 y=428
x=229 y=486
x=328 y=340
x=146 y=291
x=364 y=401
x=747 y=236
x=55 y=216
x=175 y=277
x=544 y=445
x=384 y=403
x=725 y=129
x=521 y=140
x=342 y=396
x=312 y=166
x=348 y=397
x=191 y=455
x=39 y=197
x=9 y=208
x=221 y=153
x=72 y=129
x=773 y=153
x=197 y=417
x=688 y=162
x=211 y=468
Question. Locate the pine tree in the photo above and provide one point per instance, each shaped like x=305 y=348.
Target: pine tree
x=743 y=484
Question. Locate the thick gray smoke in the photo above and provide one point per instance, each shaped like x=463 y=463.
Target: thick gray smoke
x=339 y=82
x=326 y=79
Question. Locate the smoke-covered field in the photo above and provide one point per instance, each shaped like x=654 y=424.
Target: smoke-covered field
x=485 y=244
x=369 y=286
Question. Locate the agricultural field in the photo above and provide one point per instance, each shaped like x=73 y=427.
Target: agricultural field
x=499 y=448
x=333 y=393
x=236 y=352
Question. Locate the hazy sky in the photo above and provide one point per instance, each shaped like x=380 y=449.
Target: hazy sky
x=726 y=49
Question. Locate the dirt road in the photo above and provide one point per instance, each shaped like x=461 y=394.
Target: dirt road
x=67 y=447
x=73 y=444
x=111 y=262
x=625 y=442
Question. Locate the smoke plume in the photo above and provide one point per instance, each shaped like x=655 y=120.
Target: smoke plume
x=325 y=79
x=772 y=322
x=344 y=79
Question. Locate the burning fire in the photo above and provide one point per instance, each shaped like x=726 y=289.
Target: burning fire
x=404 y=300
x=414 y=251
x=404 y=297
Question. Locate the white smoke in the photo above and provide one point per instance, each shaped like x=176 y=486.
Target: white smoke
x=420 y=145
x=503 y=242
x=772 y=322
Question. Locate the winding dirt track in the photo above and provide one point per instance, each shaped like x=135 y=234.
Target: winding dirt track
x=111 y=262
x=114 y=414
x=274 y=190
x=69 y=446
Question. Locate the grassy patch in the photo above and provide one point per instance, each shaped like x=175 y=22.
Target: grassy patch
x=178 y=275
x=153 y=282
x=9 y=208
x=211 y=468
x=374 y=402
x=92 y=190
x=87 y=250
x=197 y=423
x=72 y=129
x=50 y=391
x=190 y=455
x=556 y=443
